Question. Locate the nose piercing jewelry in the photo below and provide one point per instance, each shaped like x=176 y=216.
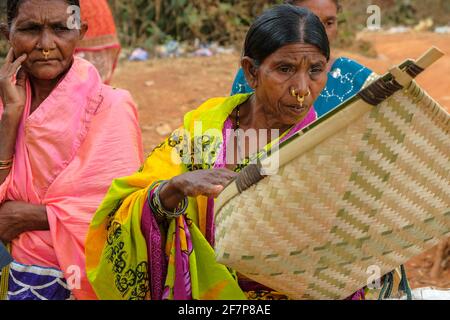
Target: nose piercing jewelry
x=46 y=53
x=300 y=99
x=293 y=92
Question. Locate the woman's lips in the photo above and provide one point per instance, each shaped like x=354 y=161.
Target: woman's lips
x=298 y=108
x=45 y=61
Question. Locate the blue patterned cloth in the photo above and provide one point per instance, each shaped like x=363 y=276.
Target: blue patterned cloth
x=345 y=79
x=36 y=283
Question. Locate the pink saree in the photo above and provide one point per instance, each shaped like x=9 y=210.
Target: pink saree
x=68 y=151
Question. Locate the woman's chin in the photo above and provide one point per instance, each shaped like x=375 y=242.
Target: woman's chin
x=297 y=114
x=46 y=74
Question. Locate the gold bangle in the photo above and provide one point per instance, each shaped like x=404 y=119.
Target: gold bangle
x=6 y=164
x=6 y=161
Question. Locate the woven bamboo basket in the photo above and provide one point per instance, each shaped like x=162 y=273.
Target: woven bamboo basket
x=365 y=188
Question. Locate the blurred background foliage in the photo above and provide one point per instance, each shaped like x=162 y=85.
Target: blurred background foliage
x=147 y=23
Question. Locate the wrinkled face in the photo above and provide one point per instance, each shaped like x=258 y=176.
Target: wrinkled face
x=327 y=12
x=42 y=26
x=295 y=66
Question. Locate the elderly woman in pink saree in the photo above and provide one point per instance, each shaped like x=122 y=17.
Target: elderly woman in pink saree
x=64 y=136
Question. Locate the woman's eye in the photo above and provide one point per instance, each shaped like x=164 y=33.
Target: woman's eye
x=316 y=70
x=286 y=69
x=33 y=29
x=60 y=28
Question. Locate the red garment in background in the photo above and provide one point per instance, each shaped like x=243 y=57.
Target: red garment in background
x=100 y=45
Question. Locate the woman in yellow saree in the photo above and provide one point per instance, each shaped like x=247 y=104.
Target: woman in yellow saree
x=153 y=235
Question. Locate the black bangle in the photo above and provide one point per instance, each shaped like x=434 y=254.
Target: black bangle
x=159 y=210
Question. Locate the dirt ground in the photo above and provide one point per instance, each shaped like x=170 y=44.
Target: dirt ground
x=166 y=89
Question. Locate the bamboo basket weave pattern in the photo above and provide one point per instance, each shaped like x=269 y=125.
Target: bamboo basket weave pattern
x=369 y=187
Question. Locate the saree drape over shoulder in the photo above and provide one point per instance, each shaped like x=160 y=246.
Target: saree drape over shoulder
x=67 y=153
x=129 y=258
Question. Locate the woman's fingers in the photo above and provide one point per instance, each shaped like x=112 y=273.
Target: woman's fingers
x=225 y=173
x=216 y=190
x=21 y=78
x=16 y=64
x=208 y=183
x=10 y=67
x=223 y=177
x=228 y=177
x=210 y=190
x=219 y=182
x=10 y=56
x=8 y=60
x=203 y=188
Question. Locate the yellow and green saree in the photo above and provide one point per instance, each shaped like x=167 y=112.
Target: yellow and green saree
x=129 y=257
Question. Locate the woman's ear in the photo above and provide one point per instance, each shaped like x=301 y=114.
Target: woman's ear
x=84 y=28
x=251 y=71
x=4 y=30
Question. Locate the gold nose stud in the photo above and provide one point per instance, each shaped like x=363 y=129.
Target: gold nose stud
x=46 y=53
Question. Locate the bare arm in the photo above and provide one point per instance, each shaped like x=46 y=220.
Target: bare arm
x=17 y=217
x=207 y=183
x=8 y=134
x=13 y=98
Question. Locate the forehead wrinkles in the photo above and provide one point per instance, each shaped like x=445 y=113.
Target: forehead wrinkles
x=299 y=54
x=326 y=13
x=321 y=7
x=43 y=11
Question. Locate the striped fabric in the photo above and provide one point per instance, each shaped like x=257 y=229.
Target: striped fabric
x=34 y=283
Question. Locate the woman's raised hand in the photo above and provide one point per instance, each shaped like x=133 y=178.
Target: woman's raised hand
x=209 y=183
x=13 y=95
